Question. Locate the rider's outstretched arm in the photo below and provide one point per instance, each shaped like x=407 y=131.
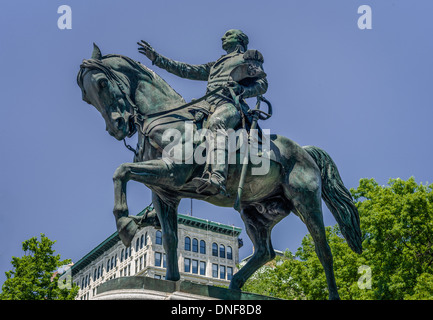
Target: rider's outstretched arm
x=181 y=69
x=184 y=70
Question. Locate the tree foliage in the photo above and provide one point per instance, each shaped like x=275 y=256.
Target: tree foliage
x=397 y=258
x=34 y=275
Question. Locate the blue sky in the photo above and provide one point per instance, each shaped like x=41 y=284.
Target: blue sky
x=365 y=96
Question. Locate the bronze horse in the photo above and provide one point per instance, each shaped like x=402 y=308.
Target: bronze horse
x=133 y=99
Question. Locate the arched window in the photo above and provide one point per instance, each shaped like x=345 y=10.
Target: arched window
x=122 y=253
x=187 y=244
x=137 y=245
x=115 y=260
x=94 y=275
x=229 y=253
x=108 y=265
x=194 y=245
x=222 y=251
x=145 y=239
x=202 y=246
x=112 y=262
x=214 y=249
x=141 y=241
x=158 y=237
x=126 y=253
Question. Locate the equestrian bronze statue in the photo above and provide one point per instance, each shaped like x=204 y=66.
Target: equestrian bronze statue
x=133 y=99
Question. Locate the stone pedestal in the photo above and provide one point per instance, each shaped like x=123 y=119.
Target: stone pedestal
x=145 y=288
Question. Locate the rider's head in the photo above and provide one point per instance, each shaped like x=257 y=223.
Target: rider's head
x=234 y=38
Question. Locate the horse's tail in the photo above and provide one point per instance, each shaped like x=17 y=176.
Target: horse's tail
x=337 y=198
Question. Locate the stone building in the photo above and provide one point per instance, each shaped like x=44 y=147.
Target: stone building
x=208 y=253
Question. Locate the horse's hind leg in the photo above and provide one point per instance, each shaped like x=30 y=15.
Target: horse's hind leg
x=308 y=206
x=258 y=225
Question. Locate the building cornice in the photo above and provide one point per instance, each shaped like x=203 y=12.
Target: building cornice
x=191 y=221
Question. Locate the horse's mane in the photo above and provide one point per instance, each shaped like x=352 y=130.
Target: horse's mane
x=108 y=70
x=116 y=75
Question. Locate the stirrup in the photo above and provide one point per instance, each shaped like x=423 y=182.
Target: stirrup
x=208 y=186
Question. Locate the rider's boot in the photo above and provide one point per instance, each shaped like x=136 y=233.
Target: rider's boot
x=214 y=182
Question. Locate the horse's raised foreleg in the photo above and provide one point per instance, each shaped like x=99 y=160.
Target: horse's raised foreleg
x=153 y=172
x=166 y=209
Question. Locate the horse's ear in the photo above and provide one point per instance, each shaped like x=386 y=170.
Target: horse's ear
x=96 y=54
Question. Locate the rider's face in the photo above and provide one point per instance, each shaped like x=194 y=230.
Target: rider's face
x=230 y=40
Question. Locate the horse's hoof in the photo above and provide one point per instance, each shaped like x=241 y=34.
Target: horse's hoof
x=149 y=219
x=126 y=228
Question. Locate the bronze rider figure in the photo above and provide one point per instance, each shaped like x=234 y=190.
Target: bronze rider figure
x=225 y=115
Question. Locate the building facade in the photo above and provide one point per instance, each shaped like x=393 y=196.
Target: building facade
x=208 y=253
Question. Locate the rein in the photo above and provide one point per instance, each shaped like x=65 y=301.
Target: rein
x=139 y=117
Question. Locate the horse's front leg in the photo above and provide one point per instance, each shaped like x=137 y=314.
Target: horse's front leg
x=153 y=172
x=167 y=214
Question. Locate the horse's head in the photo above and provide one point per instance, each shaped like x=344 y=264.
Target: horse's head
x=108 y=90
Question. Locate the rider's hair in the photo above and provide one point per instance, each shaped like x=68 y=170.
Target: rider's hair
x=243 y=39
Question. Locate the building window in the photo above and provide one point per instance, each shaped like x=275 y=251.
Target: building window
x=187 y=265
x=108 y=265
x=229 y=273
x=229 y=253
x=126 y=253
x=214 y=249
x=122 y=253
x=164 y=258
x=115 y=260
x=157 y=276
x=194 y=245
x=222 y=251
x=222 y=272
x=202 y=268
x=214 y=270
x=137 y=245
x=202 y=247
x=158 y=259
x=187 y=244
x=112 y=262
x=141 y=241
x=195 y=266
x=158 y=237
x=145 y=239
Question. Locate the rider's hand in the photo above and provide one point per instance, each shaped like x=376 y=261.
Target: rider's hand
x=147 y=50
x=237 y=88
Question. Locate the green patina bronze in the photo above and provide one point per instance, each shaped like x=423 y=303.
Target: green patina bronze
x=133 y=99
